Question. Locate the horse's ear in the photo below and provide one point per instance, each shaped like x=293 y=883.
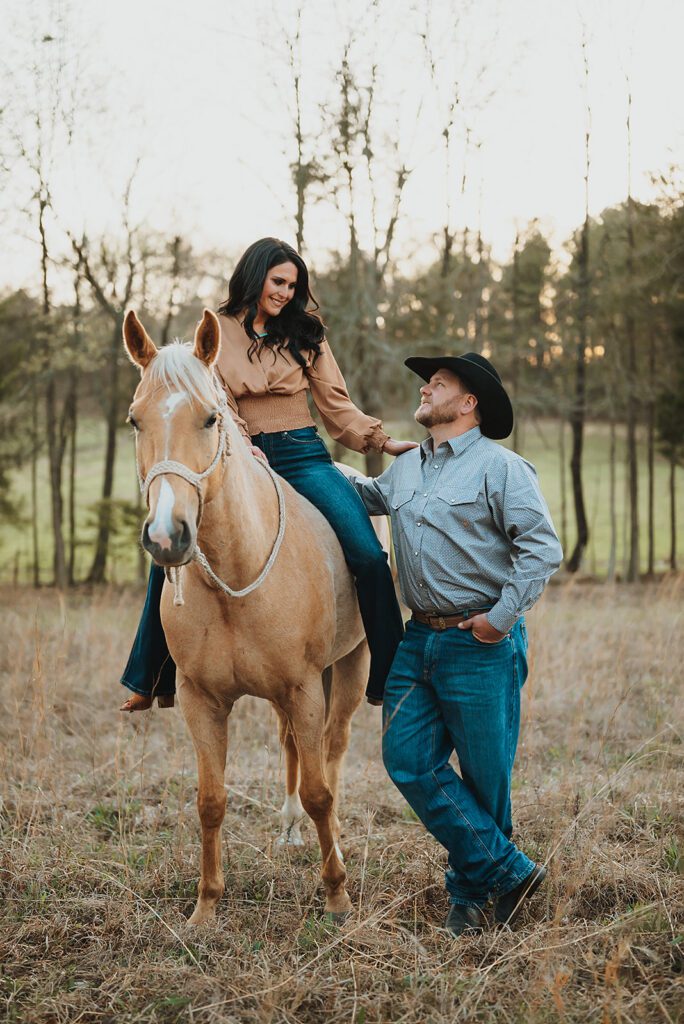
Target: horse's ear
x=137 y=341
x=207 y=338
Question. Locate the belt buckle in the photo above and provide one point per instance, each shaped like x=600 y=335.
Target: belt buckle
x=441 y=624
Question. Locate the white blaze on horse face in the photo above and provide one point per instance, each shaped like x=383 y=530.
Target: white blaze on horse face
x=162 y=526
x=172 y=403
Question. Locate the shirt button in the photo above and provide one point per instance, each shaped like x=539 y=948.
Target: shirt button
x=419 y=524
x=425 y=494
x=415 y=552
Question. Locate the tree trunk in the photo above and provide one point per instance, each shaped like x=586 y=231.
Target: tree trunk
x=53 y=427
x=55 y=459
x=34 y=486
x=99 y=564
x=563 y=487
x=612 y=510
x=632 y=381
x=632 y=455
x=175 y=274
x=650 y=447
x=515 y=322
x=577 y=413
x=673 y=509
x=577 y=430
x=73 y=420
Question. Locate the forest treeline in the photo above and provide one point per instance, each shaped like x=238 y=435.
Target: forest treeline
x=598 y=336
x=591 y=332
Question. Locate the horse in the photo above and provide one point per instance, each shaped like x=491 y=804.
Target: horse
x=285 y=628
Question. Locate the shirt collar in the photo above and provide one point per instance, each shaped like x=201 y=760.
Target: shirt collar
x=457 y=444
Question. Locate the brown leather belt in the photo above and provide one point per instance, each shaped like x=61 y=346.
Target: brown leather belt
x=438 y=621
x=445 y=621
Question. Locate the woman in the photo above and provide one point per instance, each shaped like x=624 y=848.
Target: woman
x=273 y=349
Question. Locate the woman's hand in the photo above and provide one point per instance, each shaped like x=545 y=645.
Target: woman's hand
x=257 y=453
x=393 y=447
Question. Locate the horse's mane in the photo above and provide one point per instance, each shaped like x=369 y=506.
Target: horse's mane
x=178 y=369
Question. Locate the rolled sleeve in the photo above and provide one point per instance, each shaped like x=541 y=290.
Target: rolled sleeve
x=343 y=421
x=523 y=515
x=373 y=491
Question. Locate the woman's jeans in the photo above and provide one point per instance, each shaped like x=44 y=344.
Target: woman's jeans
x=448 y=691
x=301 y=458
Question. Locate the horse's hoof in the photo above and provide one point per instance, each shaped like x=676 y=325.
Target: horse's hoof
x=338 y=917
x=290 y=838
x=200 y=917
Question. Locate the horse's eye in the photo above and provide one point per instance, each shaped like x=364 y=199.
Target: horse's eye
x=212 y=420
x=130 y=419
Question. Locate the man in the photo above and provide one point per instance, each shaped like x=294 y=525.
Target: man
x=475 y=546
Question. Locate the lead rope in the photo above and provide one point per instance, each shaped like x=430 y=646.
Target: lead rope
x=174 y=574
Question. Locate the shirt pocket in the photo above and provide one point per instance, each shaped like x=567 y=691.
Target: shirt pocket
x=400 y=510
x=463 y=515
x=401 y=497
x=467 y=497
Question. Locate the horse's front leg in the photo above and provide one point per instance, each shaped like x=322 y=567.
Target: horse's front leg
x=308 y=720
x=208 y=725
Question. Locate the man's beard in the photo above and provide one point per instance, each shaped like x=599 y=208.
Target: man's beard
x=428 y=416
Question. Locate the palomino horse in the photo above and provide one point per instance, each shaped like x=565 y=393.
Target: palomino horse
x=222 y=514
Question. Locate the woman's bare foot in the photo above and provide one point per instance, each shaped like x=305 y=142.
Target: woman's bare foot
x=136 y=702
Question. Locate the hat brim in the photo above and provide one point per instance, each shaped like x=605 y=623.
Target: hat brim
x=493 y=402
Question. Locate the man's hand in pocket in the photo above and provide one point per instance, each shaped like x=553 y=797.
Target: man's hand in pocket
x=482 y=630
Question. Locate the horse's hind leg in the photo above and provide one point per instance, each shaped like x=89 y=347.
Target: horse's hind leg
x=292 y=811
x=207 y=722
x=308 y=722
x=349 y=681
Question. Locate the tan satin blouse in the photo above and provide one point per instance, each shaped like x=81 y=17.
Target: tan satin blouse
x=269 y=393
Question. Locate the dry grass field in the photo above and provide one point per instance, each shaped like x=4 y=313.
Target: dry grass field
x=99 y=843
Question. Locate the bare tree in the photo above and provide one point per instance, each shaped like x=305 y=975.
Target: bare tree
x=111 y=275
x=632 y=568
x=578 y=410
x=356 y=148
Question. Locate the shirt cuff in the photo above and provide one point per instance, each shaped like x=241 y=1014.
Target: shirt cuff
x=500 y=618
x=376 y=440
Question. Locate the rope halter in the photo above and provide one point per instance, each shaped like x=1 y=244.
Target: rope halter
x=170 y=466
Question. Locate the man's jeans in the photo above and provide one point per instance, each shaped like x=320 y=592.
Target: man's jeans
x=448 y=691
x=300 y=456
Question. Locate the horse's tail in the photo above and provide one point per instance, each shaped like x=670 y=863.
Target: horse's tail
x=327 y=688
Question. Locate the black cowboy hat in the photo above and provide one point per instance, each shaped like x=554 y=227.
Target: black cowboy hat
x=484 y=382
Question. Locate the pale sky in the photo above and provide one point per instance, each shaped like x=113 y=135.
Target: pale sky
x=199 y=94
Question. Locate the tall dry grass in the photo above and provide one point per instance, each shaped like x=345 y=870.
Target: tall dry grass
x=99 y=843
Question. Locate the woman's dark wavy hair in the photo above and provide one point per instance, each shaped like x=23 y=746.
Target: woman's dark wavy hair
x=297 y=327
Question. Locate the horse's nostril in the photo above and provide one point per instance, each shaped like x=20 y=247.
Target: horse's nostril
x=185 y=535
x=145 y=534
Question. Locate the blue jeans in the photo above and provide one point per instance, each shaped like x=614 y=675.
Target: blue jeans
x=301 y=457
x=447 y=691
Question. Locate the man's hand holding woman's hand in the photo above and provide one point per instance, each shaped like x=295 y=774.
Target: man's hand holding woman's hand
x=482 y=630
x=393 y=447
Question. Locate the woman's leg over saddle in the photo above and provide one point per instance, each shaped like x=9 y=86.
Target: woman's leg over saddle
x=150 y=670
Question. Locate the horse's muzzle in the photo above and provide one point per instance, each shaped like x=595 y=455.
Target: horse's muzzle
x=177 y=547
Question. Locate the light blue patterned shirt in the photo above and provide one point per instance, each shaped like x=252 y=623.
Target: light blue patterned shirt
x=470 y=528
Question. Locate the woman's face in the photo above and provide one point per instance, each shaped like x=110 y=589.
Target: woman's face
x=278 y=289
